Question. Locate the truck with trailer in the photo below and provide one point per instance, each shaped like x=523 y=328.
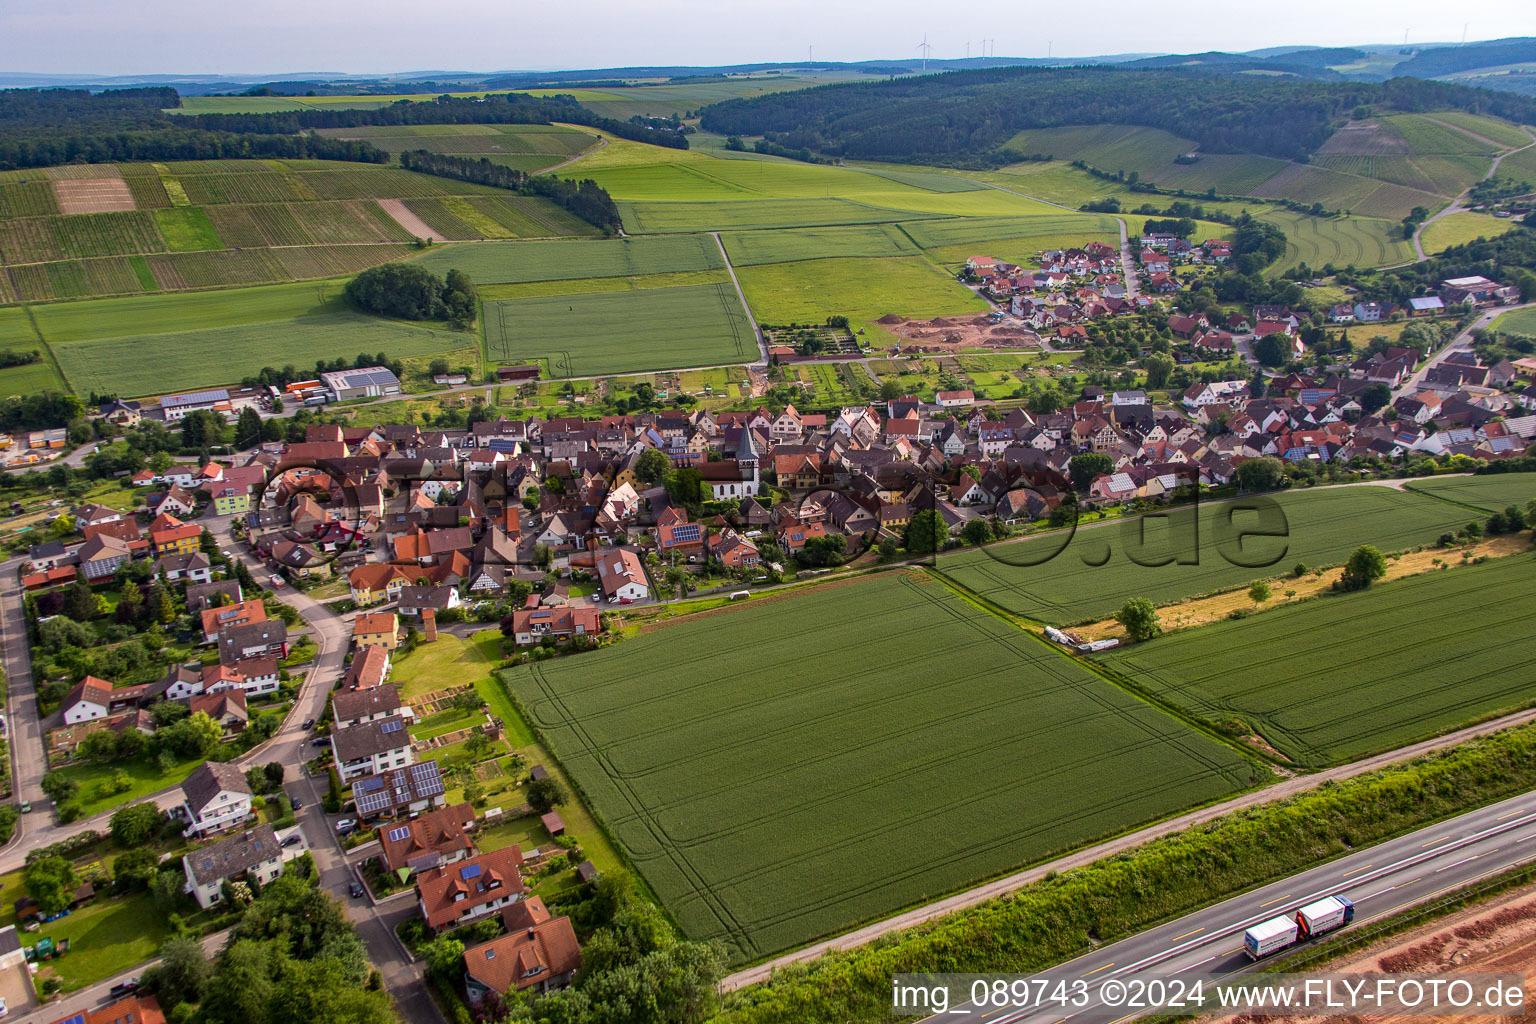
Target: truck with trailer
x=1312 y=920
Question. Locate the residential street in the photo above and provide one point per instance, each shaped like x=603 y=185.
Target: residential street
x=1461 y=343
x=290 y=746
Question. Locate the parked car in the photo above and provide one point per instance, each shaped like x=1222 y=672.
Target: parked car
x=320 y=741
x=309 y=723
x=355 y=889
x=276 y=581
x=346 y=825
x=295 y=803
x=626 y=600
x=293 y=840
x=26 y=807
x=123 y=988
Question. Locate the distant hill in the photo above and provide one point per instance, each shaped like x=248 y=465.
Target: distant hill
x=1448 y=60
x=967 y=116
x=1235 y=62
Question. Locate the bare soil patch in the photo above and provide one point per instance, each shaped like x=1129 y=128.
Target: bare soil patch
x=405 y=218
x=955 y=333
x=1364 y=138
x=93 y=195
x=1495 y=937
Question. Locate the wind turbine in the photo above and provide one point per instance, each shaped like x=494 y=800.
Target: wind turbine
x=926 y=50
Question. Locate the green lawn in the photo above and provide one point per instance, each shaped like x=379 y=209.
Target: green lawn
x=16 y=335
x=443 y=722
x=791 y=789
x=144 y=776
x=1342 y=676
x=187 y=229
x=450 y=661
x=107 y=936
x=747 y=248
x=1521 y=321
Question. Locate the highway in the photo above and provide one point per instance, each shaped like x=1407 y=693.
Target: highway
x=1208 y=943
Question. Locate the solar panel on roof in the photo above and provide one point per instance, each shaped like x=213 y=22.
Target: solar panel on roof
x=472 y=871
x=397 y=834
x=78 y=1018
x=391 y=727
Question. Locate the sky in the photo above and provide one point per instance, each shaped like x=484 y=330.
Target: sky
x=111 y=37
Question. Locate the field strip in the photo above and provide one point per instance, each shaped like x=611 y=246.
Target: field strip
x=396 y=208
x=1087 y=855
x=762 y=347
x=37 y=332
x=1202 y=611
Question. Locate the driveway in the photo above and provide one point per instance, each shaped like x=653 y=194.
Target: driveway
x=16 y=990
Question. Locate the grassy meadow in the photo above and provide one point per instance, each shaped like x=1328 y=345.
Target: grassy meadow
x=150 y=345
x=1461 y=228
x=863 y=290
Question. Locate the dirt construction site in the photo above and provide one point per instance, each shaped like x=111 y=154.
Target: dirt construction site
x=1496 y=937
x=957 y=333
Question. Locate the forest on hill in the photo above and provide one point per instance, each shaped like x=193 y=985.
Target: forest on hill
x=48 y=127
x=505 y=108
x=966 y=117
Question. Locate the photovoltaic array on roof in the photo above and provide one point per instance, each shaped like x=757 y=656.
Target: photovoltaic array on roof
x=397 y=834
x=472 y=871
x=426 y=779
x=391 y=726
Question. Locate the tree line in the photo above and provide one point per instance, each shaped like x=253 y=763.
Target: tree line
x=507 y=108
x=586 y=199
x=47 y=127
x=1508 y=258
x=966 y=116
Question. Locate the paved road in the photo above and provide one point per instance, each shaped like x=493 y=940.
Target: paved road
x=1128 y=263
x=1009 y=883
x=37 y=829
x=1461 y=343
x=757 y=332
x=87 y=999
x=1456 y=205
x=22 y=728
x=1380 y=880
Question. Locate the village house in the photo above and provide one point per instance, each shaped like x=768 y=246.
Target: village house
x=530 y=625
x=216 y=798
x=433 y=839
x=621 y=575
x=399 y=793
x=372 y=748
x=454 y=895
x=539 y=953
x=376 y=629
x=254 y=854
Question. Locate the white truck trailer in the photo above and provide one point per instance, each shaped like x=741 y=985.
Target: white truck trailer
x=1312 y=920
